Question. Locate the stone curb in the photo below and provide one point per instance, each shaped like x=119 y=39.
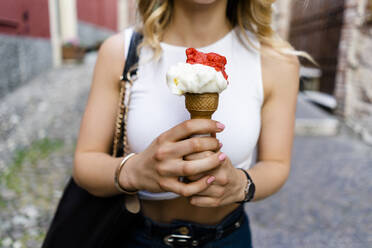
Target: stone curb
x=313 y=121
x=316 y=127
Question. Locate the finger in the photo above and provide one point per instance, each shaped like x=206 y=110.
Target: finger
x=198 y=155
x=186 y=147
x=219 y=173
x=195 y=145
x=195 y=156
x=190 y=127
x=214 y=191
x=221 y=177
x=205 y=201
x=186 y=190
x=195 y=167
x=196 y=177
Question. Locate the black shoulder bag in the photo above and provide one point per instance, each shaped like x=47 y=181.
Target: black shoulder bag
x=86 y=221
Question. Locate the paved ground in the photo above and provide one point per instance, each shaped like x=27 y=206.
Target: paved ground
x=39 y=123
x=325 y=203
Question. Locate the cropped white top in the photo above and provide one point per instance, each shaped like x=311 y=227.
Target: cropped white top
x=154 y=109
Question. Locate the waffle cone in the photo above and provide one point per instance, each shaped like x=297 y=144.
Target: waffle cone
x=201 y=106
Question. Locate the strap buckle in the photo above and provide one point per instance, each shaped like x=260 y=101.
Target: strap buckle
x=132 y=75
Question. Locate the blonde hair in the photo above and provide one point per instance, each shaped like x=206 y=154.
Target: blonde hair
x=252 y=15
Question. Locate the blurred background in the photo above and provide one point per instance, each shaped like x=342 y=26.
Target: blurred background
x=48 y=50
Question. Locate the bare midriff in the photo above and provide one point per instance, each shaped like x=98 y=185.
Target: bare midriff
x=180 y=209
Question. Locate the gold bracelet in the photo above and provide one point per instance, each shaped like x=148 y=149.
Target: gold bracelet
x=117 y=174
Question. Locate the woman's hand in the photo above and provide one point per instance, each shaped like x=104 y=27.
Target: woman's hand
x=227 y=187
x=158 y=168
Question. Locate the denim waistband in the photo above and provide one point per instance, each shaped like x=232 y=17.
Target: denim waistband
x=195 y=230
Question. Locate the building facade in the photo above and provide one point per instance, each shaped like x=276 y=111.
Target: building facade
x=354 y=78
x=281 y=18
x=97 y=19
x=338 y=35
x=32 y=33
x=25 y=48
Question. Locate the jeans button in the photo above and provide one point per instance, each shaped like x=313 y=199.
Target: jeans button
x=184 y=230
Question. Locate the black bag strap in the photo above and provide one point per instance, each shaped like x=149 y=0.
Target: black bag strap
x=117 y=148
x=132 y=57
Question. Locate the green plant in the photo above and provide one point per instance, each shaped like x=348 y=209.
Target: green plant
x=36 y=151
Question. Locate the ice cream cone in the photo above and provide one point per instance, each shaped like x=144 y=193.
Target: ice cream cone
x=201 y=106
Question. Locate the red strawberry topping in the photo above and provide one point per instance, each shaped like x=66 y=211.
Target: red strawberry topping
x=214 y=60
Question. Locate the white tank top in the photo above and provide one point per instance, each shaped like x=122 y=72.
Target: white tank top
x=153 y=109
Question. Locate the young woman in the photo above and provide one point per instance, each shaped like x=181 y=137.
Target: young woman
x=257 y=108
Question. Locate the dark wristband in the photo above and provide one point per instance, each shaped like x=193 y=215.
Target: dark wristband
x=250 y=188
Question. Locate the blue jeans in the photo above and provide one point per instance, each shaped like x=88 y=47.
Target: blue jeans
x=144 y=237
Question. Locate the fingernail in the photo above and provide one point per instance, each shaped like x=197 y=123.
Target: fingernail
x=211 y=180
x=222 y=156
x=221 y=144
x=220 y=126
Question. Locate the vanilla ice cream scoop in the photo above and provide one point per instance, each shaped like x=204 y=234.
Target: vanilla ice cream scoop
x=195 y=78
